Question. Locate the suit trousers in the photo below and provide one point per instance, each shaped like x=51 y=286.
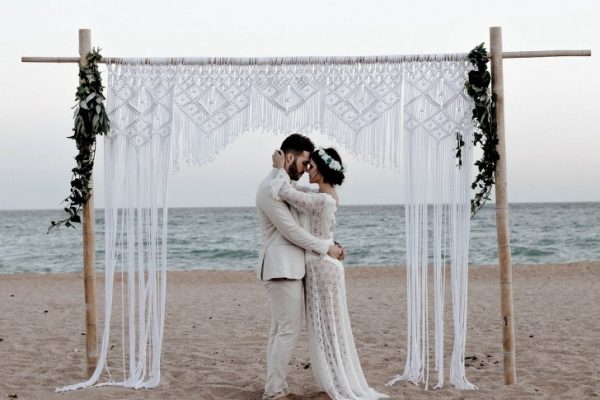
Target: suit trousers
x=287 y=307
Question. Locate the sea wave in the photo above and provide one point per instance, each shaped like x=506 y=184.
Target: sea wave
x=229 y=238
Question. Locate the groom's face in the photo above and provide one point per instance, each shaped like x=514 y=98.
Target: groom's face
x=298 y=165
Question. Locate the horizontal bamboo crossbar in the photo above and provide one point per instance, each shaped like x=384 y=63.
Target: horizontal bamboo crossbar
x=307 y=60
x=545 y=53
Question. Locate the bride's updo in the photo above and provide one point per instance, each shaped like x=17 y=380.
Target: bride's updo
x=329 y=164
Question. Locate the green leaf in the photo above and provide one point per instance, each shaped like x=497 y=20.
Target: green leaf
x=89 y=120
x=478 y=87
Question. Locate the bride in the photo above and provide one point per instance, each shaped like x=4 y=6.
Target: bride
x=333 y=354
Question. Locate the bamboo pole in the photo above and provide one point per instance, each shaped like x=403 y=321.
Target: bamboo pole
x=89 y=244
x=245 y=61
x=545 y=53
x=506 y=296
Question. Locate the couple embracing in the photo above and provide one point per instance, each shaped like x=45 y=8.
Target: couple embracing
x=302 y=270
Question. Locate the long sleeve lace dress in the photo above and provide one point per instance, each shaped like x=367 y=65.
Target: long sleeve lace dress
x=333 y=354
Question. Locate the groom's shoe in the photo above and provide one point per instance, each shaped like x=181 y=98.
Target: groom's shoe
x=288 y=396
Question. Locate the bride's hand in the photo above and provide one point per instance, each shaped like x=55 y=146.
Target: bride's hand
x=278 y=159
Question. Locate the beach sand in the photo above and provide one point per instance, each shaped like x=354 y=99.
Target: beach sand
x=217 y=324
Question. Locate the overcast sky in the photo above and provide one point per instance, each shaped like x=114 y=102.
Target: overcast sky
x=552 y=107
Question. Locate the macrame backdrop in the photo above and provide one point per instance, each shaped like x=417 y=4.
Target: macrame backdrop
x=399 y=112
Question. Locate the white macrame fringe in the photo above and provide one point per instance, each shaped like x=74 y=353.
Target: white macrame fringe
x=136 y=232
x=437 y=212
x=206 y=107
x=401 y=113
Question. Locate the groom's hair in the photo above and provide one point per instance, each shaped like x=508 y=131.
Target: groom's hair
x=297 y=143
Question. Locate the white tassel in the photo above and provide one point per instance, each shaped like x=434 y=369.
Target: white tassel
x=435 y=108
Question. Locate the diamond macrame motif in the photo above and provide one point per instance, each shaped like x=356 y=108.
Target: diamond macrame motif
x=141 y=107
x=287 y=88
x=361 y=98
x=352 y=97
x=434 y=100
x=210 y=100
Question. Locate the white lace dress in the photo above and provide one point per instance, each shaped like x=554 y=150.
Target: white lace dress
x=333 y=354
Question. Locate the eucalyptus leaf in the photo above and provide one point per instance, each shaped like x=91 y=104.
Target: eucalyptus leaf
x=89 y=120
x=485 y=135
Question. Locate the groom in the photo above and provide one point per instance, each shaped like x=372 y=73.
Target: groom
x=284 y=238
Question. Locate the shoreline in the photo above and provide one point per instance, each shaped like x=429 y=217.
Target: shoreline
x=487 y=205
x=347 y=268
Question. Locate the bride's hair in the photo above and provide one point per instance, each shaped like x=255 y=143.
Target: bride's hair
x=330 y=175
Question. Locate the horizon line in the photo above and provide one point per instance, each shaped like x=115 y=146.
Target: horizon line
x=343 y=205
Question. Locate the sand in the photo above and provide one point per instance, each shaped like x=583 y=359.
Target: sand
x=217 y=324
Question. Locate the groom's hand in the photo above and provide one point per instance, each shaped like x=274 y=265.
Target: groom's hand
x=335 y=251
x=278 y=159
x=343 y=255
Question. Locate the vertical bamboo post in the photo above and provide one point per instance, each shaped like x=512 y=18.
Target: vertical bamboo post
x=89 y=244
x=506 y=295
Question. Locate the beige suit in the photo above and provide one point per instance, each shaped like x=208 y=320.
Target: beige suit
x=284 y=236
x=281 y=266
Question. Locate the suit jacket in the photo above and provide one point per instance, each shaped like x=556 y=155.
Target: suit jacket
x=283 y=236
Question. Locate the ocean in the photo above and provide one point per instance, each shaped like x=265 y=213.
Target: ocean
x=228 y=238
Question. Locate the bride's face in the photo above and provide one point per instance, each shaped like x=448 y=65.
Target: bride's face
x=313 y=173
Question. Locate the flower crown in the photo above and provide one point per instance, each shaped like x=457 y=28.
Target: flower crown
x=330 y=162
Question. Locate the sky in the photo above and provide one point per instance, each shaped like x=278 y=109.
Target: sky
x=552 y=133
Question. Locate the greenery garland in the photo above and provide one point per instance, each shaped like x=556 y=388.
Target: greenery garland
x=90 y=120
x=484 y=115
